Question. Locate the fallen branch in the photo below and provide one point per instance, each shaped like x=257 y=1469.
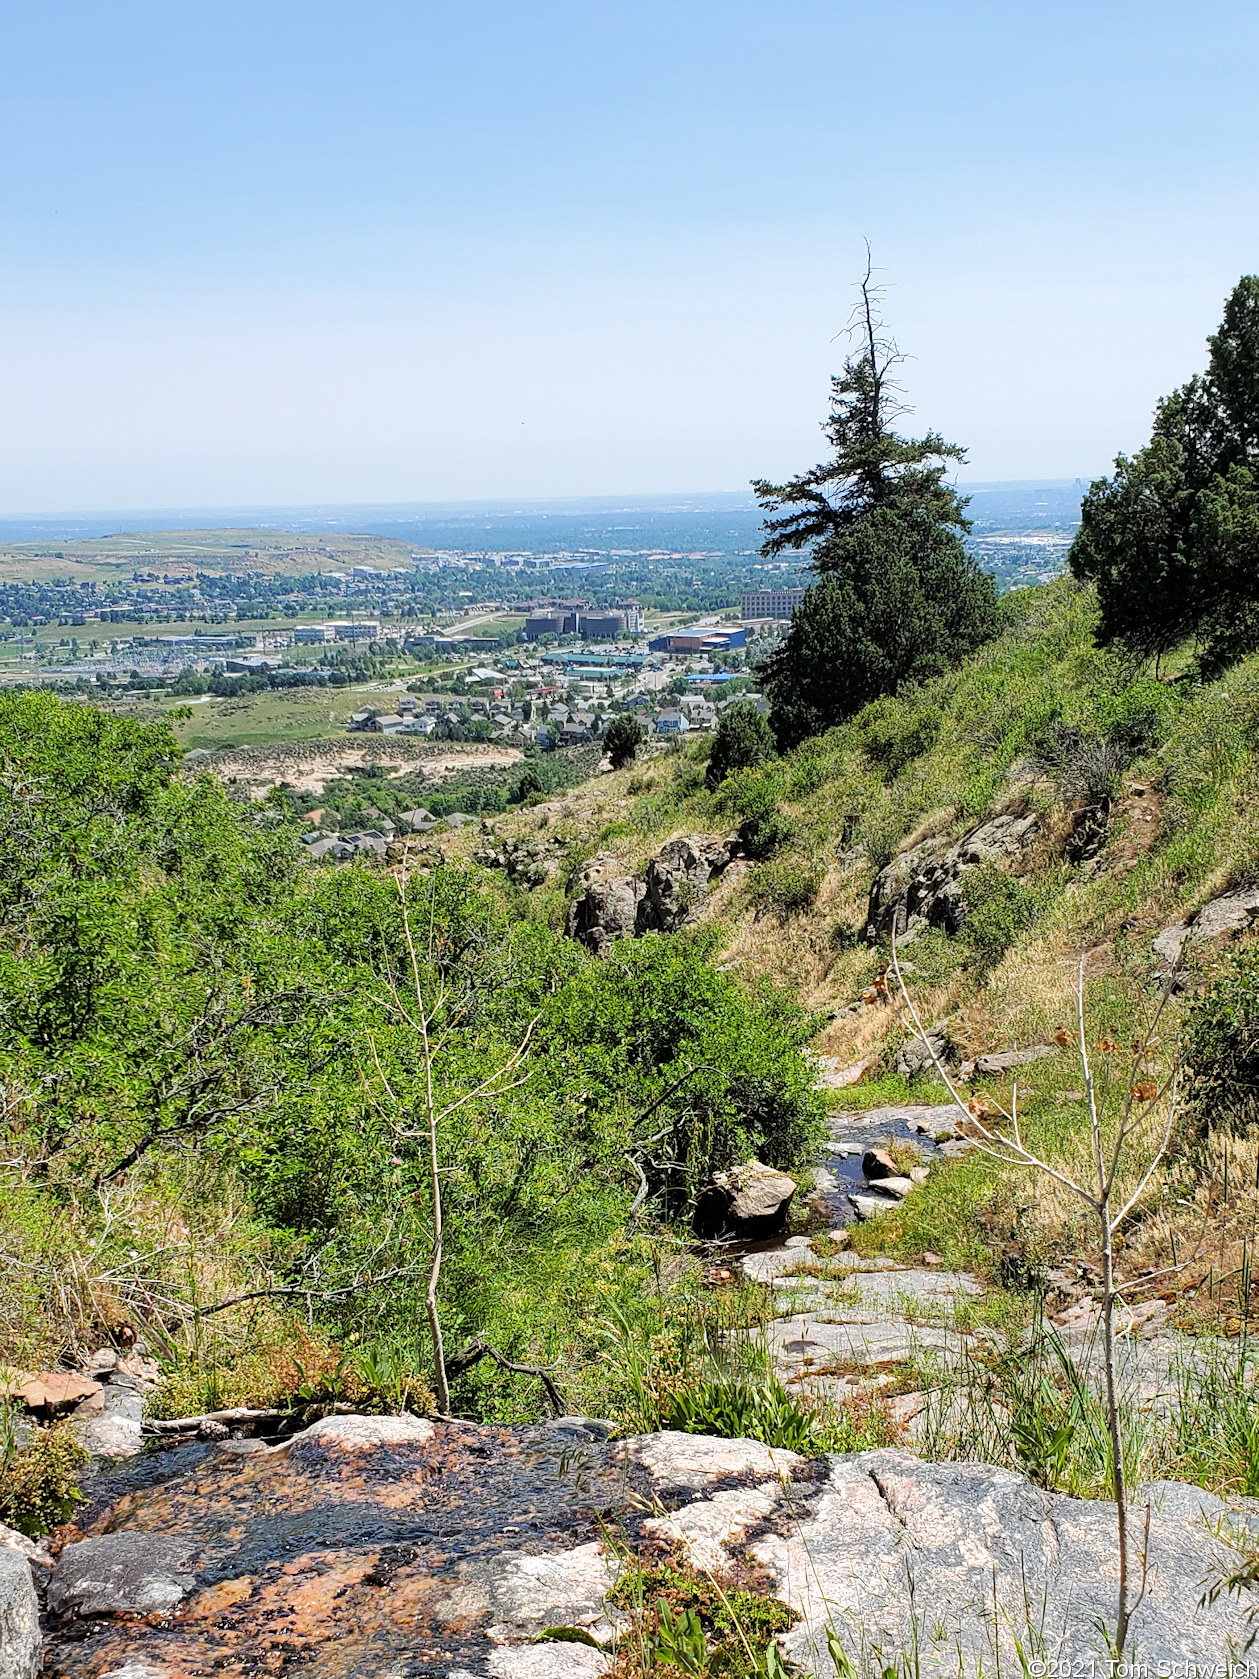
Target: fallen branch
x=307 y=1294
x=190 y=1425
x=478 y=1349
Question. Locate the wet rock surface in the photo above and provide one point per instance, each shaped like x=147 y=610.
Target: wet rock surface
x=121 y=1573
x=372 y=1548
x=366 y=1546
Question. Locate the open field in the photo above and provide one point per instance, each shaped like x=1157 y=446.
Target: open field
x=187 y=552
x=274 y=715
x=307 y=768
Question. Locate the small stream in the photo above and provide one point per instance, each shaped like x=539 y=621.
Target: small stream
x=334 y=1565
x=839 y=1171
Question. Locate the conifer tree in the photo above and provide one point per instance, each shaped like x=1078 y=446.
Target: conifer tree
x=898 y=598
x=1171 y=541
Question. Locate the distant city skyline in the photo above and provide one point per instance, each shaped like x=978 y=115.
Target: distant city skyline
x=277 y=254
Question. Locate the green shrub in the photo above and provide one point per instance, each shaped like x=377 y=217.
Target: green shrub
x=999 y=908
x=684 y=1622
x=1221 y=1048
x=38 y=1484
x=622 y=740
x=788 y=886
x=754 y=796
x=892 y=736
x=742 y=740
x=761 y=836
x=529 y=789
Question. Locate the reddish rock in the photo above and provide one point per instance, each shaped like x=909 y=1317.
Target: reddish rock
x=54 y=1391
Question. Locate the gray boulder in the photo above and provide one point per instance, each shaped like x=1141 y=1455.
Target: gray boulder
x=923 y=885
x=1003 y=1060
x=606 y=910
x=127 y=1573
x=113 y=1427
x=751 y=1200
x=917 y=1056
x=21 y=1648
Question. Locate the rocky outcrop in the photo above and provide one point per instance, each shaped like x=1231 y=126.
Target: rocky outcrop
x=967 y=1537
x=676 y=880
x=917 y=1055
x=1004 y=1060
x=606 y=910
x=1232 y=912
x=364 y=1549
x=528 y=863
x=922 y=887
x=659 y=902
x=20 y=1643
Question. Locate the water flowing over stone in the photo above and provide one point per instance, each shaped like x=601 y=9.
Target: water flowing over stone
x=364 y=1551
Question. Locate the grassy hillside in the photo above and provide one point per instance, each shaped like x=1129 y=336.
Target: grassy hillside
x=1026 y=726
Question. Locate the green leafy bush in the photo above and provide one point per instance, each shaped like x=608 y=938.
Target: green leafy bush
x=893 y=736
x=998 y=909
x=1221 y=1048
x=765 y=833
x=788 y=885
x=39 y=1483
x=621 y=740
x=742 y=740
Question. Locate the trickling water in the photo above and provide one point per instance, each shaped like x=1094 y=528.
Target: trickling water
x=317 y=1563
x=852 y=1134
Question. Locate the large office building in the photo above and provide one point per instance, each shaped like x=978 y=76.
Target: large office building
x=769 y=603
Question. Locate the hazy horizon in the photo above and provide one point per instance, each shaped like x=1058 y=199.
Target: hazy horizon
x=998 y=503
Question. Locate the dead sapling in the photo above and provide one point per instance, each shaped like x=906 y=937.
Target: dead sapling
x=998 y=1133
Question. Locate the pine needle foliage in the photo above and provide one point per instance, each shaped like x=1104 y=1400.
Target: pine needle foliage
x=898 y=599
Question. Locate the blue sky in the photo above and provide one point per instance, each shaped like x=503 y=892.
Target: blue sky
x=395 y=252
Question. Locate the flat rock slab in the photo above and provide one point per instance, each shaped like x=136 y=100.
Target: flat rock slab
x=379 y=1547
x=353 y=1555
x=992 y=1559
x=926 y=1117
x=121 y=1574
x=862 y=1320
x=811 y=1348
